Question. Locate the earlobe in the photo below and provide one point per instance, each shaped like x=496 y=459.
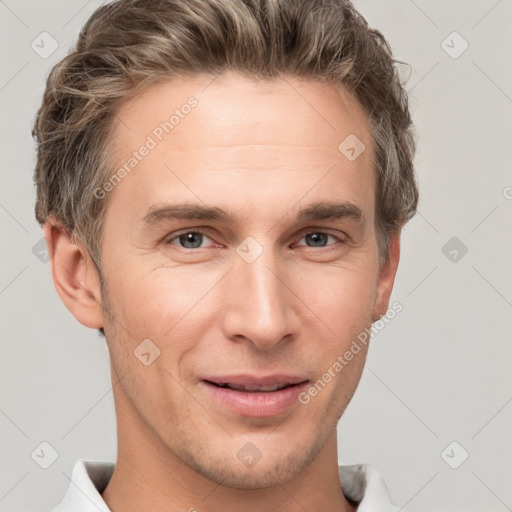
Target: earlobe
x=387 y=273
x=74 y=275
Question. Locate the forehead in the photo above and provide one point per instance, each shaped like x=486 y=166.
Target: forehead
x=235 y=109
x=228 y=131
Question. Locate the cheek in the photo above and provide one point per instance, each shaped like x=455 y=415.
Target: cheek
x=171 y=307
x=342 y=299
x=150 y=302
x=341 y=296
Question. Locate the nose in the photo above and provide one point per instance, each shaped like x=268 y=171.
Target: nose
x=260 y=304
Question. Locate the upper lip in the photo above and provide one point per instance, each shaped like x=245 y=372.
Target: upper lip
x=256 y=381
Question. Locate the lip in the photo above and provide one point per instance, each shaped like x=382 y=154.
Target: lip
x=255 y=403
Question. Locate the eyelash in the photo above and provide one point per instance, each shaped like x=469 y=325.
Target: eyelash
x=204 y=233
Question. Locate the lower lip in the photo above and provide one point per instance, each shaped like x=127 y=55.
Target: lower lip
x=256 y=403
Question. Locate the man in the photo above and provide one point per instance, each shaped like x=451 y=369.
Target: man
x=222 y=185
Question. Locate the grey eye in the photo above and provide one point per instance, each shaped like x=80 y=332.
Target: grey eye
x=318 y=239
x=193 y=238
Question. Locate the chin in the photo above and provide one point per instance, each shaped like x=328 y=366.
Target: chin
x=261 y=476
x=274 y=467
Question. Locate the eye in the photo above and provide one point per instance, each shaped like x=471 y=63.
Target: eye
x=193 y=239
x=320 y=238
x=188 y=239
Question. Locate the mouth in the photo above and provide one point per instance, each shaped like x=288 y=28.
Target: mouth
x=252 y=389
x=255 y=397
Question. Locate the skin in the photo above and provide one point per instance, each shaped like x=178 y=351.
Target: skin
x=263 y=151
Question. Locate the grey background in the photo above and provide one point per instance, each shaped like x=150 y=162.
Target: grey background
x=439 y=372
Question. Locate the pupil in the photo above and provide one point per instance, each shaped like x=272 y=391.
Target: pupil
x=189 y=237
x=318 y=237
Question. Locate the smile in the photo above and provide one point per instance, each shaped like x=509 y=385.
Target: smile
x=255 y=397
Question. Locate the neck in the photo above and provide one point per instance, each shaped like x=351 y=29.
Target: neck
x=149 y=476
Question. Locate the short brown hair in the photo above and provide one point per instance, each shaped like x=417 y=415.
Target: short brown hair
x=128 y=45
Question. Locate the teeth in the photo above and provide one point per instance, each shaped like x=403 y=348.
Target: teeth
x=241 y=387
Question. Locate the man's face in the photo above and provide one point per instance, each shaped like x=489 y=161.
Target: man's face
x=263 y=293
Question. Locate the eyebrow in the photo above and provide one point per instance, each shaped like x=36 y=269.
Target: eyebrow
x=325 y=210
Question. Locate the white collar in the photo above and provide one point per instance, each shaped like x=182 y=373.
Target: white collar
x=360 y=482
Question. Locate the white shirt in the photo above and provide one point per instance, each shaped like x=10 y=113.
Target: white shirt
x=360 y=482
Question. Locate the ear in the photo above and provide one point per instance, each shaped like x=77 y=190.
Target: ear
x=386 y=279
x=75 y=276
